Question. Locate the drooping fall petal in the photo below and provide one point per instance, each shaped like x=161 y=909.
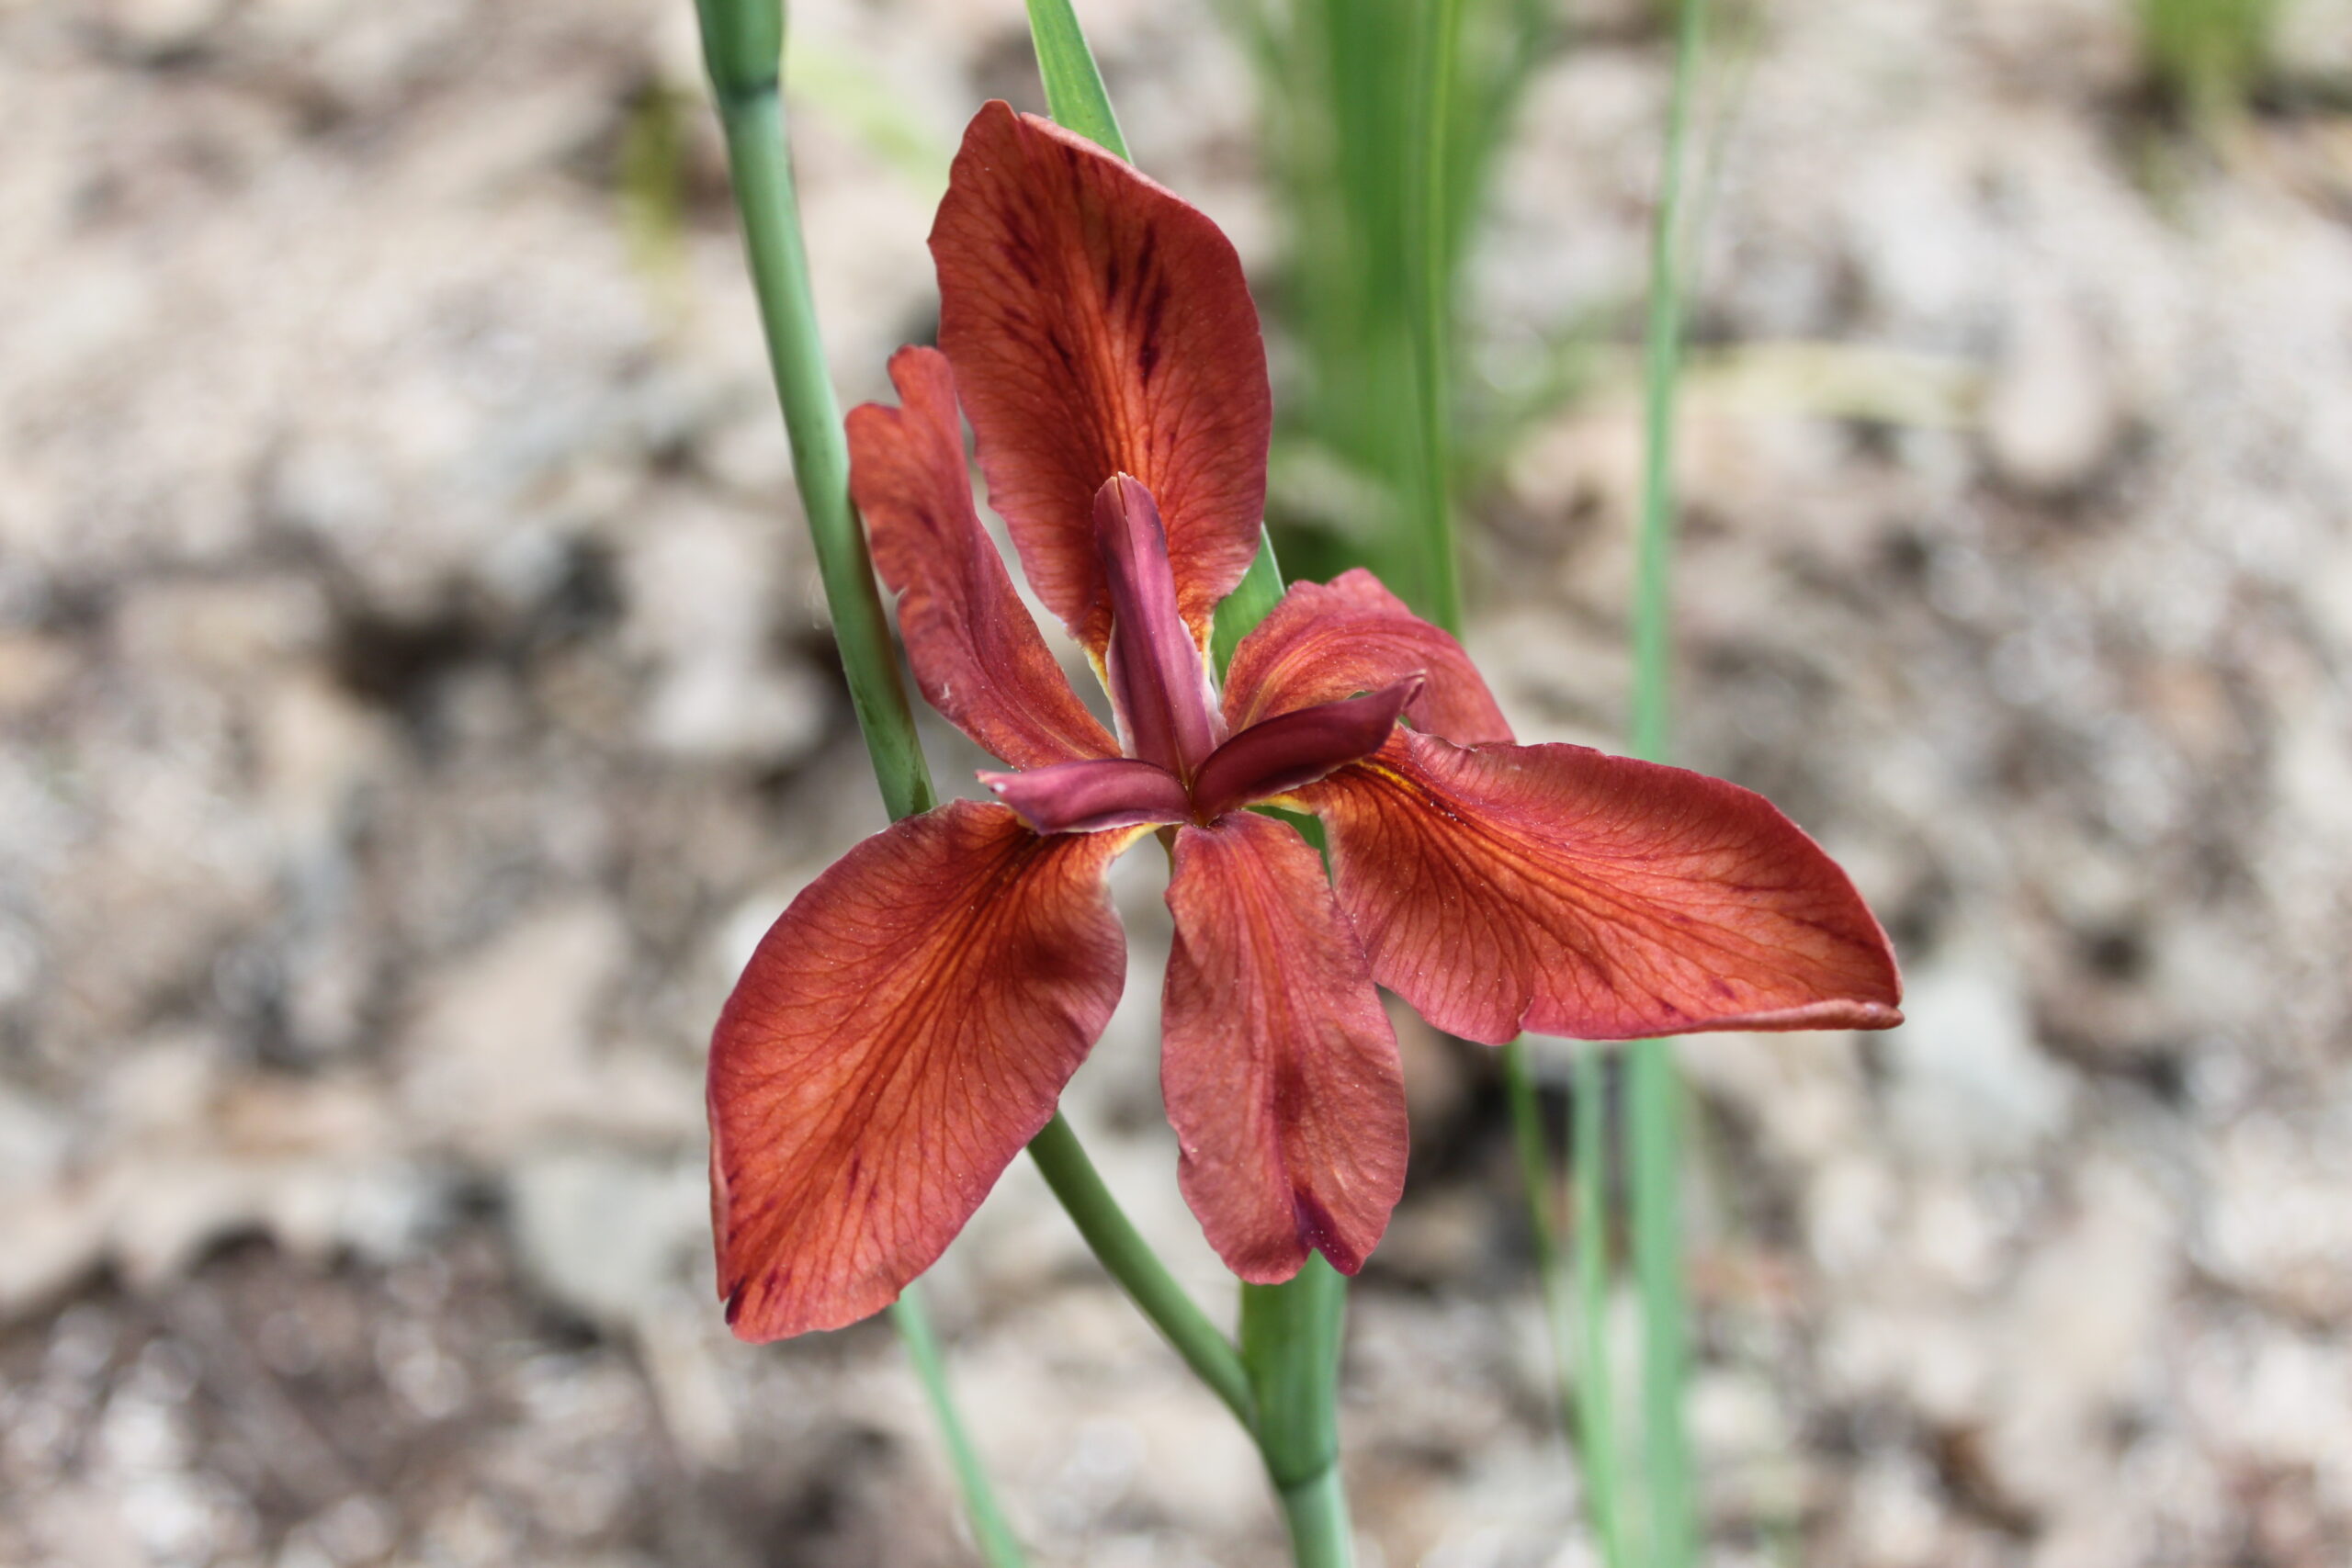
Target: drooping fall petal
x=1294 y=750
x=1328 y=641
x=976 y=653
x=1560 y=889
x=1099 y=324
x=1278 y=1066
x=1086 y=797
x=1159 y=680
x=903 y=1030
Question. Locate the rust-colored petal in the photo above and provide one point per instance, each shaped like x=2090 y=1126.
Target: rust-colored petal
x=902 y=1030
x=1277 y=1064
x=1099 y=324
x=1560 y=889
x=976 y=653
x=1327 y=640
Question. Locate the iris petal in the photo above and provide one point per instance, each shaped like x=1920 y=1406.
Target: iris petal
x=1277 y=1063
x=903 y=1030
x=976 y=653
x=1099 y=325
x=1555 y=889
x=1326 y=640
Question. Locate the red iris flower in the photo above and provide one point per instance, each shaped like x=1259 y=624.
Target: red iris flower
x=910 y=1021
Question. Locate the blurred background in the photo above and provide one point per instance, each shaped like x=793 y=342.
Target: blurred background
x=417 y=701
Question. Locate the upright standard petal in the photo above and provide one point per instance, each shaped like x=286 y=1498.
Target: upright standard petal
x=1277 y=1063
x=903 y=1030
x=976 y=653
x=1099 y=324
x=1159 y=679
x=1327 y=640
x=1560 y=889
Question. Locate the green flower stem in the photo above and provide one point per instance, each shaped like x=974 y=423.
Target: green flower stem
x=1130 y=1260
x=751 y=111
x=1290 y=1342
x=999 y=1547
x=1074 y=92
x=1654 y=1093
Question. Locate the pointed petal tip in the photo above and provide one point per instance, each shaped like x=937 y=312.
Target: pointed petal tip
x=1319 y=1231
x=1644 y=900
x=1346 y=1263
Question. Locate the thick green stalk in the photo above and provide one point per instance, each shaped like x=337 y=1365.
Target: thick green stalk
x=999 y=1547
x=1290 y=1342
x=1074 y=91
x=1654 y=1095
x=1122 y=1250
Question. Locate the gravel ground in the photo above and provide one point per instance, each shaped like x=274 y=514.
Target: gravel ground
x=417 y=701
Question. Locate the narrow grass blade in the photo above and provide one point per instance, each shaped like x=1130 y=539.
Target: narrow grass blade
x=1654 y=1090
x=1436 y=214
x=1433 y=317
x=1074 y=92
x=1574 y=1392
x=1596 y=1404
x=999 y=1547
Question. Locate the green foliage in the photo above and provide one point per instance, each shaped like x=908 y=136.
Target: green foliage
x=2207 y=56
x=650 y=176
x=1341 y=85
x=1074 y=92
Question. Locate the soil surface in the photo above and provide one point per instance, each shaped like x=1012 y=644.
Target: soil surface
x=417 y=701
